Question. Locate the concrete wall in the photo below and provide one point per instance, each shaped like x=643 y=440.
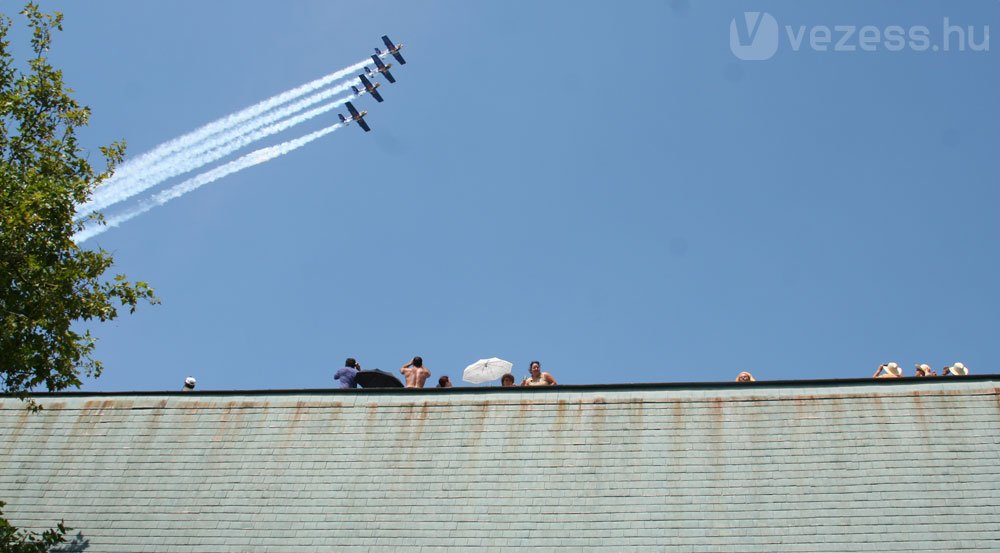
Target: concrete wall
x=856 y=466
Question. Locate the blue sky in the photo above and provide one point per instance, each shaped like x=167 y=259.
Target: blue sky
x=604 y=187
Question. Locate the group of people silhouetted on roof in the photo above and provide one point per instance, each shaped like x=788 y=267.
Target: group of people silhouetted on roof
x=893 y=370
x=416 y=374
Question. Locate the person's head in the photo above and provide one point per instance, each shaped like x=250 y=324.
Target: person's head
x=744 y=377
x=893 y=369
x=507 y=380
x=958 y=369
x=444 y=382
x=418 y=362
x=922 y=369
x=535 y=366
x=351 y=363
x=190 y=382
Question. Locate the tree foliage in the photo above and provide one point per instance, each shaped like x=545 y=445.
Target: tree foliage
x=13 y=540
x=48 y=284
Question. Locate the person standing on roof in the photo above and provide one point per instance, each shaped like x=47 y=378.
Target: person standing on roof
x=189 y=384
x=538 y=378
x=888 y=370
x=957 y=369
x=349 y=374
x=415 y=373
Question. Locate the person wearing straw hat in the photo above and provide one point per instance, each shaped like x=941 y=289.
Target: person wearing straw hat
x=888 y=370
x=923 y=369
x=745 y=377
x=189 y=384
x=957 y=369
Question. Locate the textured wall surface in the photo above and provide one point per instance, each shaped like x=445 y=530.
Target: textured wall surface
x=859 y=466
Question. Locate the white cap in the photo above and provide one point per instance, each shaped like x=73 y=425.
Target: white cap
x=190 y=382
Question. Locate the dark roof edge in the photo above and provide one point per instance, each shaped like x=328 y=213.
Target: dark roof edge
x=819 y=383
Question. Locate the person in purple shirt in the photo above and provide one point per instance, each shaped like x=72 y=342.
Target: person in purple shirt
x=348 y=375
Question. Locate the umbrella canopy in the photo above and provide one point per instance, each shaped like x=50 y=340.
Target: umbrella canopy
x=485 y=370
x=377 y=379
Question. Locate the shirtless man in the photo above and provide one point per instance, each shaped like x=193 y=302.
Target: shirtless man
x=415 y=373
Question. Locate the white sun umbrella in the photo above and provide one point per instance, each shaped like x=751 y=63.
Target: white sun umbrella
x=485 y=370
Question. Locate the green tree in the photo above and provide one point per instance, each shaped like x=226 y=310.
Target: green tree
x=13 y=540
x=48 y=284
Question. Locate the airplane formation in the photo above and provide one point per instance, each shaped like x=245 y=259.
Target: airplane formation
x=369 y=85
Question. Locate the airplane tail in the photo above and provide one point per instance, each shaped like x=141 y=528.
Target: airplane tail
x=356 y=91
x=377 y=51
x=342 y=120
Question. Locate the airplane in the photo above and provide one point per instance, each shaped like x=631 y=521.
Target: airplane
x=368 y=87
x=392 y=49
x=355 y=116
x=383 y=69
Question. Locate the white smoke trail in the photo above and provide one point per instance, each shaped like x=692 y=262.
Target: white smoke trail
x=140 y=164
x=255 y=157
x=211 y=150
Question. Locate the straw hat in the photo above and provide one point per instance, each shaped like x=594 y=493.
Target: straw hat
x=893 y=369
x=751 y=378
x=958 y=369
x=924 y=367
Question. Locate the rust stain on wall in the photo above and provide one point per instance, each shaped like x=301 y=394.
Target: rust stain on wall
x=421 y=420
x=16 y=430
x=919 y=411
x=600 y=415
x=479 y=422
x=636 y=413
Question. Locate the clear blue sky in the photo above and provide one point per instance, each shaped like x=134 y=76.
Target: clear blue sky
x=601 y=186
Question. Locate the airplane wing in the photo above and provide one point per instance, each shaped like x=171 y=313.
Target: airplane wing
x=353 y=110
x=378 y=62
x=363 y=125
x=393 y=50
x=376 y=95
x=365 y=81
x=388 y=76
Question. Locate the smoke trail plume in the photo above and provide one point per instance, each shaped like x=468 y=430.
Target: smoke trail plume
x=140 y=164
x=255 y=157
x=214 y=149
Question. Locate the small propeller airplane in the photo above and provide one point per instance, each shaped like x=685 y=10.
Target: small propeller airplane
x=367 y=87
x=392 y=49
x=383 y=69
x=358 y=117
